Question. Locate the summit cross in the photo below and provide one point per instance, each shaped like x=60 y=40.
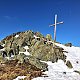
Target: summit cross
x=55 y=24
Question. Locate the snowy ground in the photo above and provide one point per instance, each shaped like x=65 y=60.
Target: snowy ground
x=56 y=71
x=59 y=71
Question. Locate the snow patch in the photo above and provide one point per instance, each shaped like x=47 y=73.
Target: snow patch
x=26 y=52
x=36 y=37
x=19 y=77
x=26 y=47
x=3 y=45
x=17 y=36
x=2 y=49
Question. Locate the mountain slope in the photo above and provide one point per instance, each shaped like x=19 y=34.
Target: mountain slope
x=60 y=62
x=59 y=71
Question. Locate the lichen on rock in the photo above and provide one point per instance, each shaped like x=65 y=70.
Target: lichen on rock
x=40 y=48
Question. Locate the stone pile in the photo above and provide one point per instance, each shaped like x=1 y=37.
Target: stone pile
x=40 y=49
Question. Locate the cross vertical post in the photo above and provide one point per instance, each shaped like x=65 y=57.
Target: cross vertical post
x=55 y=28
x=55 y=24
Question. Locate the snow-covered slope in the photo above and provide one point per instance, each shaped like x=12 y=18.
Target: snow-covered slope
x=59 y=71
x=73 y=55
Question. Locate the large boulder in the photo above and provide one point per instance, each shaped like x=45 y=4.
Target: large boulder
x=36 y=62
x=38 y=34
x=17 y=43
x=49 y=37
x=46 y=52
x=21 y=49
x=68 y=44
x=69 y=65
x=2 y=58
x=20 y=57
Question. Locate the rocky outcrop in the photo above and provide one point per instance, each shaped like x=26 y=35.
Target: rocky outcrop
x=46 y=51
x=41 y=65
x=68 y=44
x=40 y=48
x=69 y=65
x=49 y=37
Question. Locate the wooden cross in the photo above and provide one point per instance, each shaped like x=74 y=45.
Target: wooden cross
x=55 y=27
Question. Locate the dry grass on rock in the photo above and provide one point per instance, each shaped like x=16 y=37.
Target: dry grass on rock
x=12 y=69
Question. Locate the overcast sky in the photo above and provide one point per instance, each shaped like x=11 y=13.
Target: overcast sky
x=36 y=15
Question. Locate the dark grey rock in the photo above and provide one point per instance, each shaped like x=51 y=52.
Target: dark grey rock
x=1 y=47
x=68 y=44
x=68 y=63
x=36 y=62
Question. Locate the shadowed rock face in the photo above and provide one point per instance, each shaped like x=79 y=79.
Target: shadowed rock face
x=1 y=47
x=40 y=48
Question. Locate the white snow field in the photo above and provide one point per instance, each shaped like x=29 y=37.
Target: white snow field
x=59 y=71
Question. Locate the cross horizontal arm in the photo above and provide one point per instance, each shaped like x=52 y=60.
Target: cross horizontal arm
x=56 y=23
